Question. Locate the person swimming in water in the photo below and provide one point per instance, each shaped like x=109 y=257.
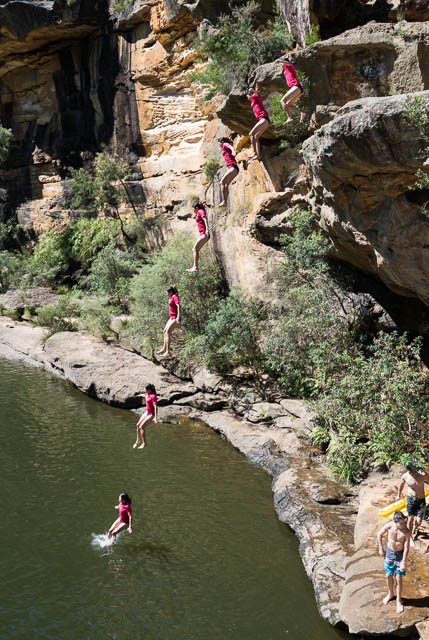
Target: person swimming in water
x=203 y=230
x=231 y=165
x=125 y=518
x=150 y=415
x=398 y=546
x=263 y=121
x=174 y=320
x=295 y=88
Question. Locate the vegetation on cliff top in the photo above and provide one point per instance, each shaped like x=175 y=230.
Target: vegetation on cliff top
x=235 y=46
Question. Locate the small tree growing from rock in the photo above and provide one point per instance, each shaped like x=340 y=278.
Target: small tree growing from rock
x=104 y=191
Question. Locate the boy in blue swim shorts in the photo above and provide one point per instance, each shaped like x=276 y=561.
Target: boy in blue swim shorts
x=398 y=545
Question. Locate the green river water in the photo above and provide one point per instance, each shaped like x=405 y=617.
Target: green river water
x=207 y=560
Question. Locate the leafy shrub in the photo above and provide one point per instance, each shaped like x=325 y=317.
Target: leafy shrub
x=417 y=114
x=58 y=316
x=111 y=272
x=231 y=336
x=5 y=142
x=235 y=47
x=66 y=257
x=12 y=268
x=211 y=168
x=374 y=410
x=300 y=347
x=95 y=316
x=199 y=292
x=313 y=35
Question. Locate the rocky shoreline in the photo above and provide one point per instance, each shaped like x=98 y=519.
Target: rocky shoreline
x=339 y=557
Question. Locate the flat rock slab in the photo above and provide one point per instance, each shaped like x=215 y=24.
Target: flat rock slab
x=25 y=298
x=361 y=605
x=107 y=372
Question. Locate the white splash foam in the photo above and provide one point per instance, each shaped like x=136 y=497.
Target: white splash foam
x=102 y=540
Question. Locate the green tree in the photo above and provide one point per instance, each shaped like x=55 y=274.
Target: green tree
x=231 y=336
x=110 y=274
x=374 y=409
x=103 y=192
x=235 y=47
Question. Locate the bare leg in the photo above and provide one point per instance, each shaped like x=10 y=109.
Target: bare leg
x=113 y=527
x=390 y=594
x=287 y=100
x=141 y=424
x=225 y=182
x=196 y=251
x=121 y=526
x=172 y=326
x=138 y=436
x=399 y=605
x=162 y=351
x=255 y=134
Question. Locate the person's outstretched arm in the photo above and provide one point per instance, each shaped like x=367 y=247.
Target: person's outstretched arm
x=178 y=312
x=130 y=529
x=156 y=412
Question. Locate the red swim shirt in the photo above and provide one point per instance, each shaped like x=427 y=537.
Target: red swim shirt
x=124 y=512
x=290 y=75
x=151 y=400
x=172 y=305
x=228 y=154
x=201 y=221
x=258 y=107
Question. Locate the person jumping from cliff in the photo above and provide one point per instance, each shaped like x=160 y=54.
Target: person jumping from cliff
x=398 y=545
x=232 y=167
x=295 y=88
x=203 y=230
x=416 y=501
x=125 y=518
x=174 y=320
x=263 y=121
x=150 y=415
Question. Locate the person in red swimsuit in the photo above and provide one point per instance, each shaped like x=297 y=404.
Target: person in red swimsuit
x=150 y=415
x=231 y=165
x=263 y=121
x=295 y=88
x=174 y=321
x=203 y=230
x=125 y=518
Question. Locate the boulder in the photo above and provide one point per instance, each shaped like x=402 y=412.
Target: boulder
x=108 y=372
x=377 y=224
x=334 y=16
x=32 y=297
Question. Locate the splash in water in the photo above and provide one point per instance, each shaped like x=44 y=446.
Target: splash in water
x=102 y=540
